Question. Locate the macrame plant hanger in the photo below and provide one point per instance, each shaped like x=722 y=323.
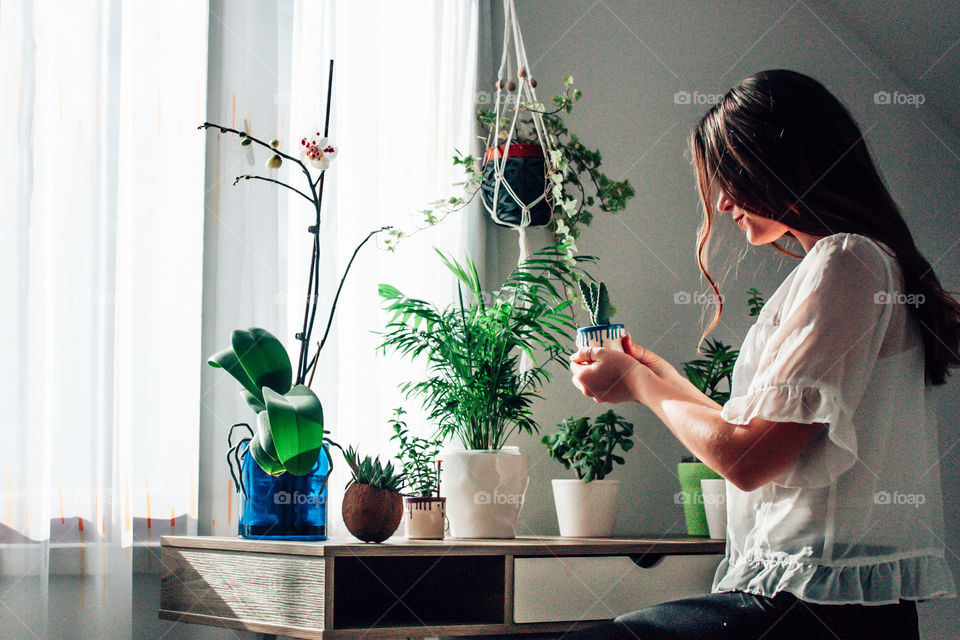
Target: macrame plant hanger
x=514 y=88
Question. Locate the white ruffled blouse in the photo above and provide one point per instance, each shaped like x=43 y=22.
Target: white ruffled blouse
x=858 y=517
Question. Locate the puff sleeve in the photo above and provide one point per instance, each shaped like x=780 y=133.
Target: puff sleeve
x=815 y=363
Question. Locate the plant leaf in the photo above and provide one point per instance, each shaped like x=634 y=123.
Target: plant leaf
x=296 y=424
x=264 y=359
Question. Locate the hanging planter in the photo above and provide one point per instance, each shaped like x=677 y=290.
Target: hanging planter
x=516 y=195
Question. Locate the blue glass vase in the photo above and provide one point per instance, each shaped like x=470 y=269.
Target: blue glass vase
x=284 y=507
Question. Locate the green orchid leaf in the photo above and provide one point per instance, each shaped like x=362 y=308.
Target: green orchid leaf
x=264 y=359
x=265 y=435
x=296 y=424
x=227 y=360
x=253 y=402
x=263 y=459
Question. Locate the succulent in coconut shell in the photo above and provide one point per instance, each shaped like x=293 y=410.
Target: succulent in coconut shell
x=372 y=505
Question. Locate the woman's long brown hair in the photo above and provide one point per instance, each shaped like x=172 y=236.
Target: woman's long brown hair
x=783 y=147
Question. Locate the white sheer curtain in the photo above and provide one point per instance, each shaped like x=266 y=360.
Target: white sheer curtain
x=403 y=102
x=101 y=194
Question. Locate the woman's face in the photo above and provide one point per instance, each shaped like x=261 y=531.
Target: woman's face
x=759 y=230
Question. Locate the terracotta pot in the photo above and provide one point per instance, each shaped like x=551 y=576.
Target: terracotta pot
x=370 y=513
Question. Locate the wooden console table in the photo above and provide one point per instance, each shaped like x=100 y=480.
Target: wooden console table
x=345 y=589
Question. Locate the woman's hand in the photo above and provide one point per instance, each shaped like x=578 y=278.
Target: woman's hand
x=637 y=374
x=606 y=375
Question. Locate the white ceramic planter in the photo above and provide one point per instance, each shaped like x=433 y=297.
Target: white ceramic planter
x=586 y=509
x=715 y=505
x=604 y=335
x=424 y=518
x=484 y=490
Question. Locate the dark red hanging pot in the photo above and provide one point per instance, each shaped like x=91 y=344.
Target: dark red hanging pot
x=525 y=172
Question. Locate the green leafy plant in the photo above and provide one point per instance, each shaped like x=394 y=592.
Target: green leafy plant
x=372 y=472
x=577 y=184
x=755 y=301
x=418 y=456
x=596 y=300
x=476 y=388
x=714 y=371
x=589 y=449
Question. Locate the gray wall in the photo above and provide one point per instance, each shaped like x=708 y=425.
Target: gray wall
x=630 y=59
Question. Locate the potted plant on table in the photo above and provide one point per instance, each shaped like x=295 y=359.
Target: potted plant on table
x=424 y=509
x=587 y=506
x=372 y=505
x=476 y=390
x=601 y=333
x=713 y=375
x=281 y=468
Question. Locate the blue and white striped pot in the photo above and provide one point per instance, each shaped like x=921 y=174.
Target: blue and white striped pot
x=603 y=335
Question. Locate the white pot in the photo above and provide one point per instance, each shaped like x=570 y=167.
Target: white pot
x=586 y=509
x=484 y=490
x=715 y=505
x=424 y=518
x=609 y=336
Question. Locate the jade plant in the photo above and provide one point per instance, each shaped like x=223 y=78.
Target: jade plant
x=596 y=301
x=370 y=471
x=589 y=449
x=418 y=456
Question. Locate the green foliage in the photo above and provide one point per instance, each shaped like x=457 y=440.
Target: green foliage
x=596 y=300
x=418 y=456
x=475 y=387
x=714 y=371
x=576 y=182
x=371 y=471
x=589 y=450
x=290 y=434
x=755 y=301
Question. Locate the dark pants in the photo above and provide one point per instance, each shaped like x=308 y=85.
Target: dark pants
x=743 y=616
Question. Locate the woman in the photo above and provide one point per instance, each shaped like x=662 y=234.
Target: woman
x=834 y=501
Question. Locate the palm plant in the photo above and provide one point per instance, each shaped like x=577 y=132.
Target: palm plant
x=476 y=388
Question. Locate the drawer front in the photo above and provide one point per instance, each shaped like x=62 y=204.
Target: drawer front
x=569 y=588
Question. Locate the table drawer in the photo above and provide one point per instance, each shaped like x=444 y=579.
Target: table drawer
x=568 y=588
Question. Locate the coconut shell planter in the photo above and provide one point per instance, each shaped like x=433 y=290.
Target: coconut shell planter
x=370 y=513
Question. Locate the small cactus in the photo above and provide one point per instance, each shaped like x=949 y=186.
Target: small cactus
x=597 y=301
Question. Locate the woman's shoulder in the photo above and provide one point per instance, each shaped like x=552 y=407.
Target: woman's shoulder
x=859 y=257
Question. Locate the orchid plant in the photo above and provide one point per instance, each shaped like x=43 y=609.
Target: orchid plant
x=289 y=435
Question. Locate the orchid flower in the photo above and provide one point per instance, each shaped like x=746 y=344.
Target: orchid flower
x=317 y=150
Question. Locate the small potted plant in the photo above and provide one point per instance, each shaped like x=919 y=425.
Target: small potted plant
x=713 y=375
x=372 y=505
x=424 y=510
x=601 y=333
x=587 y=506
x=476 y=390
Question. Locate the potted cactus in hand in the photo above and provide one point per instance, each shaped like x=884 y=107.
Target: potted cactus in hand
x=601 y=333
x=587 y=506
x=424 y=511
x=372 y=505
